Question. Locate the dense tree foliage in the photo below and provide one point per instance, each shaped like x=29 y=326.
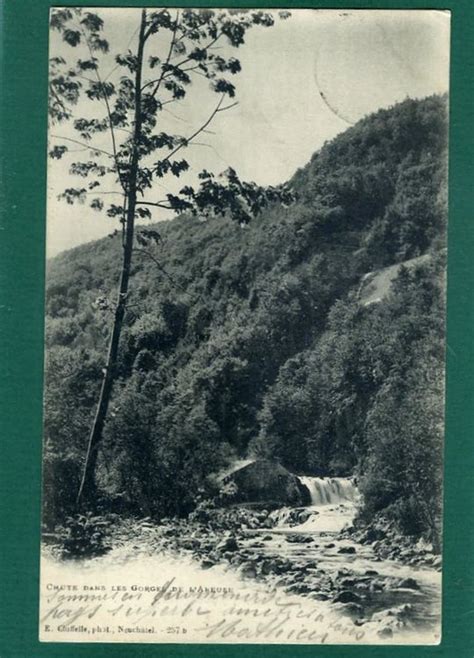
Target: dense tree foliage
x=253 y=339
x=171 y=50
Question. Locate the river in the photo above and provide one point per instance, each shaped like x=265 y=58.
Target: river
x=140 y=592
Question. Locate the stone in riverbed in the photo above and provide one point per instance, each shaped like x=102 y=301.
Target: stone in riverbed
x=248 y=570
x=304 y=516
x=229 y=544
x=229 y=556
x=266 y=568
x=298 y=576
x=408 y=583
x=299 y=539
x=348 y=582
x=237 y=559
x=377 y=587
x=350 y=550
x=393 y=619
x=249 y=534
x=385 y=632
x=319 y=596
x=282 y=566
x=299 y=588
x=190 y=544
x=169 y=532
x=346 y=596
x=350 y=609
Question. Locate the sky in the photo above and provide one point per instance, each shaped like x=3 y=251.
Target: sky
x=303 y=81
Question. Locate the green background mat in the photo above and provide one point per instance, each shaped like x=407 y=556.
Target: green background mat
x=23 y=90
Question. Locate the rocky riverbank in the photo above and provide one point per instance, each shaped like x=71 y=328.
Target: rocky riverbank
x=355 y=571
x=388 y=544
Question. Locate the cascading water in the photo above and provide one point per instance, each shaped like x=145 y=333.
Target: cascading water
x=329 y=491
x=332 y=507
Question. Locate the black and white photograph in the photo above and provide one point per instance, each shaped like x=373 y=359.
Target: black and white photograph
x=245 y=326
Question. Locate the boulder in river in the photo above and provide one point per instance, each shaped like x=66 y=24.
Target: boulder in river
x=229 y=544
x=386 y=631
x=248 y=570
x=299 y=588
x=392 y=619
x=350 y=609
x=350 y=550
x=346 y=596
x=267 y=481
x=299 y=539
x=409 y=583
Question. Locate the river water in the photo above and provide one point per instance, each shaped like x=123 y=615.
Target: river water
x=135 y=593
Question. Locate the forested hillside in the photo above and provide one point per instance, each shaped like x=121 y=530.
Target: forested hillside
x=252 y=340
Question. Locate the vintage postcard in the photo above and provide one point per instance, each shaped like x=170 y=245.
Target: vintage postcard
x=245 y=326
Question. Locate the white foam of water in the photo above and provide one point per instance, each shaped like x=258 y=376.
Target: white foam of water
x=329 y=491
x=333 y=506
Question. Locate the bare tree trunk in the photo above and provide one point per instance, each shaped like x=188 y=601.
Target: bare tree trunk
x=87 y=487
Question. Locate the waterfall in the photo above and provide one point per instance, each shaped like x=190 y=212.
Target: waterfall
x=326 y=491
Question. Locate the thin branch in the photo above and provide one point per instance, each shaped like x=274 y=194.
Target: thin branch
x=228 y=107
x=107 y=105
x=207 y=47
x=175 y=116
x=171 y=100
x=170 y=52
x=162 y=269
x=59 y=100
x=126 y=47
x=201 y=129
x=84 y=77
x=214 y=149
x=87 y=146
x=94 y=192
x=191 y=68
x=194 y=70
x=125 y=130
x=158 y=204
x=149 y=32
x=152 y=82
x=165 y=74
x=156 y=182
x=209 y=146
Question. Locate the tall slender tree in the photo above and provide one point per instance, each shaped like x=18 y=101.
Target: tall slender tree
x=121 y=129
